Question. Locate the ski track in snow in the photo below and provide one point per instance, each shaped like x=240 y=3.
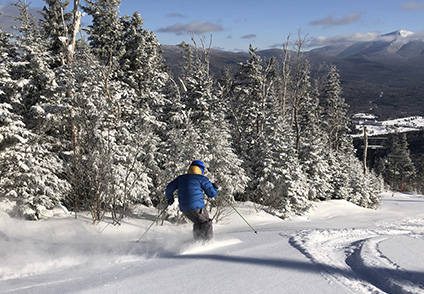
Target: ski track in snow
x=354 y=256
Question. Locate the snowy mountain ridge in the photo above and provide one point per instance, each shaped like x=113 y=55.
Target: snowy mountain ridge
x=390 y=42
x=400 y=34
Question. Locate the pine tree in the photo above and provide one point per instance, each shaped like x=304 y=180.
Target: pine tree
x=264 y=140
x=285 y=185
x=113 y=144
x=202 y=131
x=105 y=32
x=30 y=174
x=29 y=171
x=225 y=164
x=310 y=146
x=399 y=169
x=342 y=163
x=142 y=65
x=54 y=24
x=30 y=70
x=142 y=70
x=334 y=115
x=419 y=178
x=207 y=112
x=249 y=107
x=364 y=188
x=33 y=168
x=7 y=54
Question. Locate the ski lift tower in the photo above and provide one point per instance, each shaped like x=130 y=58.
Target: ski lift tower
x=371 y=144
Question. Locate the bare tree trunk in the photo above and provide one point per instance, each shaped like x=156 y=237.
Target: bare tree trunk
x=77 y=25
x=286 y=77
x=336 y=137
x=365 y=149
x=74 y=140
x=297 y=129
x=300 y=88
x=68 y=44
x=68 y=49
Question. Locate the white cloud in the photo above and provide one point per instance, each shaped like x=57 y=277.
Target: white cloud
x=277 y=46
x=361 y=37
x=176 y=15
x=330 y=21
x=196 y=27
x=413 y=5
x=249 y=36
x=342 y=39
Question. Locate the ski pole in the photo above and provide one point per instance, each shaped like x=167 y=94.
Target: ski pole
x=232 y=206
x=154 y=221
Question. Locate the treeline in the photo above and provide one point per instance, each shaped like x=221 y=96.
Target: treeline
x=399 y=160
x=95 y=121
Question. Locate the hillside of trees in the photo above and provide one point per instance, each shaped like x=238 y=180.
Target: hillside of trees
x=98 y=123
x=387 y=84
x=400 y=160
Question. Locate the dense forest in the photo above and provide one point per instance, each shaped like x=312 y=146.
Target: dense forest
x=92 y=119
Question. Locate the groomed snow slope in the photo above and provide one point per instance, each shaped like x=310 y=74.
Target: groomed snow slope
x=337 y=248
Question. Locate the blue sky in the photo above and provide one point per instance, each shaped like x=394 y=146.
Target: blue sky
x=267 y=23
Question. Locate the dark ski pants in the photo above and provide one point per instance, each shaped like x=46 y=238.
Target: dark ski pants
x=202 y=224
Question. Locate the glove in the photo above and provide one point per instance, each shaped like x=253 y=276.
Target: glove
x=170 y=201
x=215 y=186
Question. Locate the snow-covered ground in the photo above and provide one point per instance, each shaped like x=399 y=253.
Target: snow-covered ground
x=336 y=248
x=377 y=128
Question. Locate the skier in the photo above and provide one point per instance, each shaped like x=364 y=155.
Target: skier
x=190 y=197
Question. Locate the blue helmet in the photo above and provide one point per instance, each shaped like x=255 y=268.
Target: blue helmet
x=200 y=164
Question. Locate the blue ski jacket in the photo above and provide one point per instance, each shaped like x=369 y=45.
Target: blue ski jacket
x=190 y=191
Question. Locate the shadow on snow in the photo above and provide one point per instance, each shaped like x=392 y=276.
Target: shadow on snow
x=380 y=277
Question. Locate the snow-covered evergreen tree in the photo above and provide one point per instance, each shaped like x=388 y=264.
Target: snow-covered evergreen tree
x=284 y=186
x=310 y=145
x=142 y=65
x=31 y=175
x=399 y=168
x=142 y=70
x=30 y=70
x=208 y=135
x=53 y=25
x=249 y=105
x=334 y=114
x=265 y=141
x=342 y=162
x=349 y=180
x=113 y=143
x=105 y=31
x=7 y=54
x=419 y=178
x=33 y=169
x=365 y=188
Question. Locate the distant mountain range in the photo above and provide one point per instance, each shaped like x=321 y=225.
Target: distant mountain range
x=383 y=77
